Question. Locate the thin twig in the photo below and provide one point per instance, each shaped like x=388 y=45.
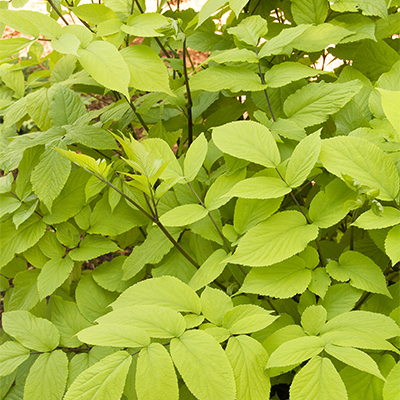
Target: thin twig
x=139 y=117
x=189 y=103
x=58 y=11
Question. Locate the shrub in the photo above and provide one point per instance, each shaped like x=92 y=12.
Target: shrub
x=219 y=232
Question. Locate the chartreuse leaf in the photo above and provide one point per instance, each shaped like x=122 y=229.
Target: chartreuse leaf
x=282 y=74
x=195 y=157
x=250 y=30
x=391 y=386
x=369 y=220
x=215 y=305
x=320 y=282
x=210 y=270
x=53 y=275
x=94 y=13
x=260 y=187
x=233 y=55
x=91 y=136
x=247 y=140
x=155 y=374
x=296 y=351
x=164 y=291
x=367 y=7
x=247 y=318
x=93 y=246
x=363 y=323
x=105 y=379
x=392 y=244
x=313 y=103
x=47 y=376
x=183 y=215
x=66 y=316
x=67 y=43
x=363 y=161
x=32 y=332
x=319 y=379
x=328 y=207
x=310 y=11
x=275 y=239
x=203 y=366
x=12 y=46
x=355 y=358
x=145 y=25
x=157 y=321
x=118 y=335
x=235 y=79
x=25 y=294
x=218 y=194
x=106 y=65
x=209 y=8
x=389 y=101
x=282 y=280
x=313 y=319
x=248 y=359
x=303 y=159
x=12 y=355
x=147 y=71
x=361 y=270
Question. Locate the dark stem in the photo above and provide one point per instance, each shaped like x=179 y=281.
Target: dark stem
x=139 y=117
x=353 y=217
x=396 y=205
x=58 y=12
x=189 y=97
x=272 y=306
x=254 y=9
x=360 y=302
x=265 y=90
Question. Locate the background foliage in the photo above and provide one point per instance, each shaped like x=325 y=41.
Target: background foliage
x=223 y=231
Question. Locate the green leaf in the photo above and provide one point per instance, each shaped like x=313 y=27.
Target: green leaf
x=310 y=11
x=183 y=215
x=250 y=30
x=247 y=140
x=145 y=25
x=392 y=244
x=151 y=251
x=25 y=294
x=210 y=270
x=390 y=388
x=282 y=74
x=328 y=207
x=105 y=379
x=209 y=8
x=157 y=321
x=235 y=79
x=37 y=105
x=361 y=270
x=164 y=291
x=296 y=351
x=106 y=65
x=274 y=240
x=363 y=161
x=54 y=168
x=93 y=246
x=367 y=7
x=155 y=374
x=147 y=70
x=195 y=157
x=66 y=44
x=94 y=13
x=303 y=159
x=115 y=334
x=12 y=355
x=313 y=319
x=91 y=136
x=282 y=43
x=248 y=359
x=355 y=358
x=249 y=213
x=318 y=37
x=247 y=318
x=313 y=103
x=362 y=27
x=364 y=323
x=66 y=316
x=369 y=220
x=32 y=332
x=47 y=376
x=318 y=380
x=233 y=55
x=92 y=300
x=12 y=46
x=53 y=275
x=8 y=205
x=203 y=366
x=215 y=305
x=218 y=194
x=237 y=6
x=260 y=187
x=389 y=101
x=282 y=280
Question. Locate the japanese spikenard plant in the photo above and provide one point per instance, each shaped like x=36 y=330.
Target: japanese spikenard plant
x=257 y=259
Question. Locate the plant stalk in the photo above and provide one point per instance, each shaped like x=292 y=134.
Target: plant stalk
x=189 y=103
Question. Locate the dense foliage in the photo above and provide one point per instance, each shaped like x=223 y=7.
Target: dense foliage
x=219 y=232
